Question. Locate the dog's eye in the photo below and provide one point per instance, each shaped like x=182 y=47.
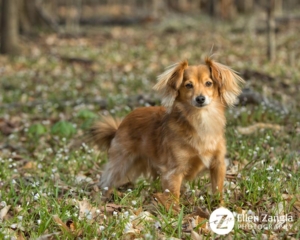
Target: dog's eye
x=208 y=84
x=189 y=85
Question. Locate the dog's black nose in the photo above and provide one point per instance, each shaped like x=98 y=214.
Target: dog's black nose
x=200 y=99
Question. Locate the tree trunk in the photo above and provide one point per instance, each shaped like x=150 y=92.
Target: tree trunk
x=271 y=38
x=9 y=27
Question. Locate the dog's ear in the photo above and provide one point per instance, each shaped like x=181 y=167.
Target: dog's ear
x=169 y=83
x=227 y=79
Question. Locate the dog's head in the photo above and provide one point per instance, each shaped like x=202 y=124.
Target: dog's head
x=198 y=85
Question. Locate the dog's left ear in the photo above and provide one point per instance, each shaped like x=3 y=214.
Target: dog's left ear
x=169 y=83
x=227 y=79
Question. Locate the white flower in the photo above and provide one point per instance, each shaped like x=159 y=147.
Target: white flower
x=126 y=214
x=157 y=225
x=101 y=228
x=36 y=196
x=167 y=190
x=250 y=212
x=39 y=221
x=105 y=188
x=269 y=168
x=133 y=202
x=201 y=198
x=14 y=226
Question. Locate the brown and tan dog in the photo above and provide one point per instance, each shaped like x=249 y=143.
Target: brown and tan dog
x=178 y=140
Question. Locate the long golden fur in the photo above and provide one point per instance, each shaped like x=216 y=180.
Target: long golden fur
x=177 y=140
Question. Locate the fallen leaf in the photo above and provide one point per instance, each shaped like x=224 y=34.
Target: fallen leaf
x=111 y=207
x=196 y=236
x=3 y=212
x=30 y=165
x=61 y=224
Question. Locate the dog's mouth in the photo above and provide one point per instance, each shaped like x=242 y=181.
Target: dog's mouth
x=200 y=105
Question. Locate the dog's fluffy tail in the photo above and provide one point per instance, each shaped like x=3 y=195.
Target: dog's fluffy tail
x=103 y=132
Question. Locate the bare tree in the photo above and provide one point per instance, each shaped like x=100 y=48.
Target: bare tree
x=9 y=27
x=271 y=38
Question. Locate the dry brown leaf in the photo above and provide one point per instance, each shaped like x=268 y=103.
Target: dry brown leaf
x=200 y=212
x=86 y=210
x=257 y=126
x=30 y=165
x=111 y=207
x=61 y=224
x=196 y=236
x=3 y=212
x=48 y=236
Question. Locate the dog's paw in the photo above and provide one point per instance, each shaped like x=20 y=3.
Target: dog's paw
x=168 y=201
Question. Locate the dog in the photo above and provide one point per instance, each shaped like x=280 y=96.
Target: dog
x=175 y=141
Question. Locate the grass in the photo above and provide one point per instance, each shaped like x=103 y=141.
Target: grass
x=49 y=176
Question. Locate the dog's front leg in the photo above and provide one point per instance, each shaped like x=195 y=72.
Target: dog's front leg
x=171 y=183
x=217 y=175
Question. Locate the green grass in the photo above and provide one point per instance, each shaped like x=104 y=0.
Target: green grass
x=46 y=105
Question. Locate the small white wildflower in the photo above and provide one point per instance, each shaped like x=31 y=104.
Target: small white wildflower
x=101 y=228
x=277 y=170
x=13 y=181
x=128 y=227
x=14 y=226
x=254 y=168
x=167 y=190
x=269 y=178
x=105 y=188
x=98 y=211
x=201 y=198
x=126 y=214
x=39 y=221
x=290 y=175
x=115 y=213
x=133 y=202
x=157 y=225
x=129 y=190
x=20 y=218
x=3 y=204
x=193 y=190
x=239 y=175
x=148 y=236
x=36 y=196
x=247 y=191
x=269 y=168
x=250 y=212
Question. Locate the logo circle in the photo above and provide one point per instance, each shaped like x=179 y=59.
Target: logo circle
x=221 y=221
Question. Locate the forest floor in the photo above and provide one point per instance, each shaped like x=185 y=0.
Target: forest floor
x=50 y=95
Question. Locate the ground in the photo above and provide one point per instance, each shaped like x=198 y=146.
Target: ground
x=51 y=94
